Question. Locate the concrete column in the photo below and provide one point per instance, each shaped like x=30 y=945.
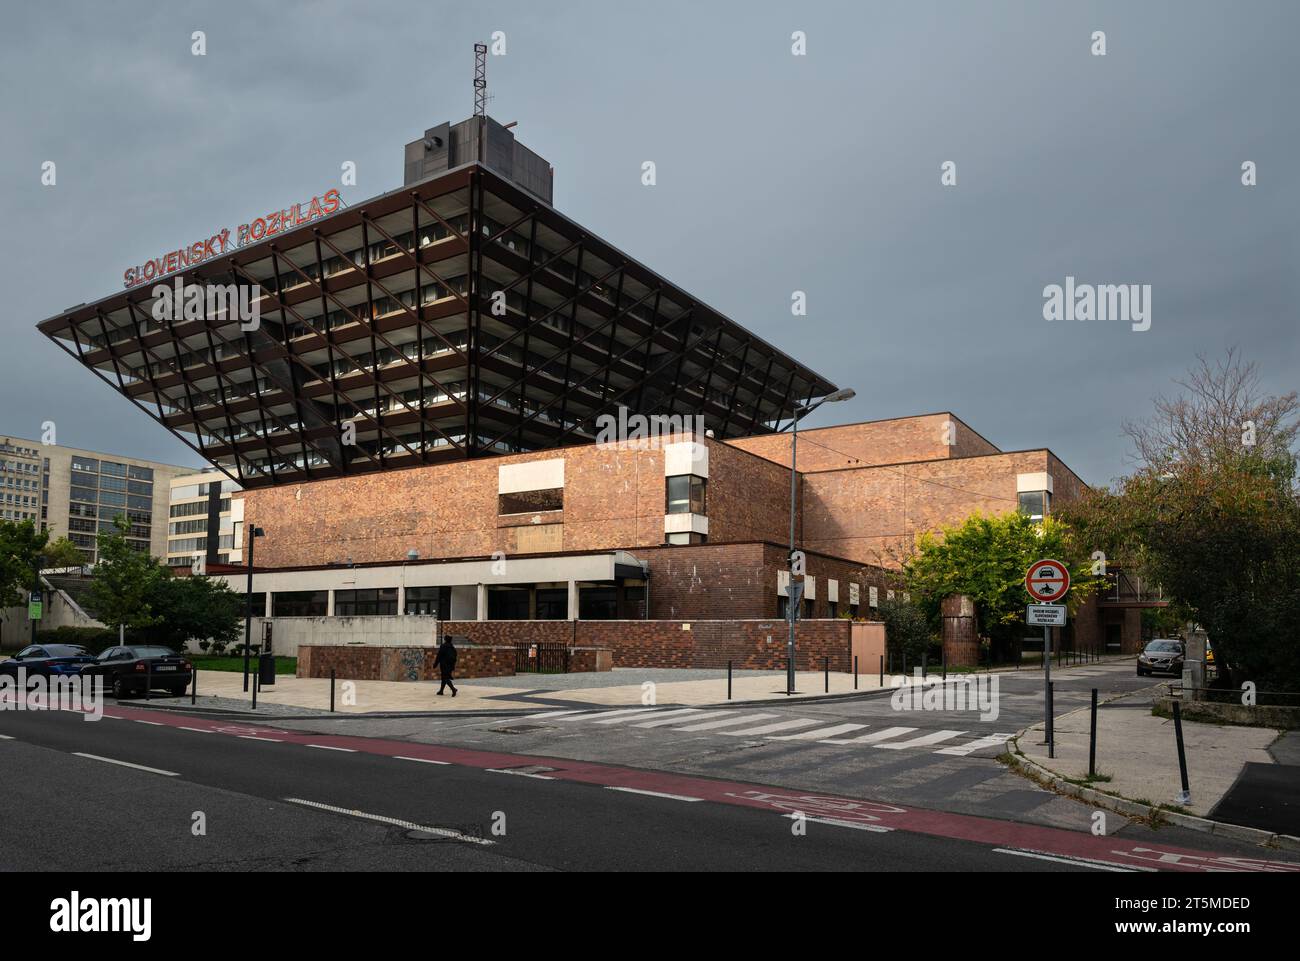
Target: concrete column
x=482 y=602
x=401 y=599
x=329 y=609
x=266 y=600
x=573 y=600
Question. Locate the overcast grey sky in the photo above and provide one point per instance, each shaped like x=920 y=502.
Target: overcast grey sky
x=776 y=173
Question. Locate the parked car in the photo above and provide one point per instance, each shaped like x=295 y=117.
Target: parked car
x=134 y=668
x=47 y=659
x=1162 y=656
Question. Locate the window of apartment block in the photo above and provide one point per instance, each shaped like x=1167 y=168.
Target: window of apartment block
x=1036 y=504
x=371 y=602
x=832 y=609
x=300 y=603
x=685 y=495
x=531 y=502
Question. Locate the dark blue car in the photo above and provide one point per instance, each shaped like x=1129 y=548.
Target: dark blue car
x=45 y=660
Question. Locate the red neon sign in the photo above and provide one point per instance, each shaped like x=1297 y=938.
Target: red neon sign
x=275 y=222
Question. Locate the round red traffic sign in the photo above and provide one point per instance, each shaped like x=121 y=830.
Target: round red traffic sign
x=1047 y=580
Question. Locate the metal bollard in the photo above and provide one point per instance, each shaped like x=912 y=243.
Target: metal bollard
x=945 y=664
x=1186 y=797
x=882 y=668
x=1092 y=739
x=194 y=684
x=925 y=667
x=855 y=672
x=728 y=680
x=331 y=690
x=148 y=680
x=826 y=666
x=255 y=685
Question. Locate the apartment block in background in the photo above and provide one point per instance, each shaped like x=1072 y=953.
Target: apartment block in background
x=77 y=493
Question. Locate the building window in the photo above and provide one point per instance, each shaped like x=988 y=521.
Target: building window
x=429 y=600
x=531 y=502
x=832 y=609
x=1036 y=504
x=688 y=537
x=598 y=603
x=685 y=495
x=552 y=603
x=507 y=603
x=300 y=604
x=374 y=602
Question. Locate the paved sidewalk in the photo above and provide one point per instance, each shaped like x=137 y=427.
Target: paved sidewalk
x=623 y=687
x=1140 y=754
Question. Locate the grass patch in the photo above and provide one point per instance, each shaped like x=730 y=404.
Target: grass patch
x=211 y=662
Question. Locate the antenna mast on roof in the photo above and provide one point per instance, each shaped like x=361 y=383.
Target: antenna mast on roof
x=480 y=95
x=480 y=80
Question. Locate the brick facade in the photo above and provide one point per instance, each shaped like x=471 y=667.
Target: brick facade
x=748 y=644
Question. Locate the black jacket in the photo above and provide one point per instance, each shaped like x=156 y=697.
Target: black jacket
x=446 y=659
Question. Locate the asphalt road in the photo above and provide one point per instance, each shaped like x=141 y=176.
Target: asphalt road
x=127 y=791
x=85 y=813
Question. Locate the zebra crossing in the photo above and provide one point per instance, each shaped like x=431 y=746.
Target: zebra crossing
x=774 y=727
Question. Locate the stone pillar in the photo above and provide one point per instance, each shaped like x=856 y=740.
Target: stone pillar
x=961 y=641
x=481 y=605
x=573 y=600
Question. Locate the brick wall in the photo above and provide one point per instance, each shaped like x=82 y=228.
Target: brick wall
x=364 y=663
x=873 y=514
x=926 y=437
x=749 y=644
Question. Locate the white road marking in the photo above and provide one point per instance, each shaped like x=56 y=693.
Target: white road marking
x=630 y=710
x=684 y=712
x=251 y=737
x=664 y=721
x=770 y=728
x=831 y=822
x=327 y=747
x=151 y=723
x=728 y=722
x=197 y=730
x=934 y=737
x=961 y=750
x=5 y=737
x=820 y=733
x=419 y=760
x=634 y=790
x=538 y=717
x=138 y=767
x=409 y=825
x=501 y=770
x=1065 y=859
x=875 y=736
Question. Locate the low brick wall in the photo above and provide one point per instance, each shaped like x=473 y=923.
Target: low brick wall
x=369 y=663
x=366 y=663
x=748 y=644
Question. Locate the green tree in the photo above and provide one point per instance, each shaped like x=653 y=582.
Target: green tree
x=21 y=544
x=193 y=608
x=907 y=632
x=125 y=581
x=985 y=557
x=1212 y=515
x=63 y=553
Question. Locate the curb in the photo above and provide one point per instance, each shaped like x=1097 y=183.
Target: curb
x=1145 y=812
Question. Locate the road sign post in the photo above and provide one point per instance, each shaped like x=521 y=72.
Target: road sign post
x=1047 y=581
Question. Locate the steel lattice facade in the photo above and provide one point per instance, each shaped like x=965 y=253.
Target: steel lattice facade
x=455 y=317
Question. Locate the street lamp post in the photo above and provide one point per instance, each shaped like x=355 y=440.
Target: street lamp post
x=791 y=606
x=251 y=534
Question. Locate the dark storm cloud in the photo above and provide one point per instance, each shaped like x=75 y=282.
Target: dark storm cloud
x=775 y=174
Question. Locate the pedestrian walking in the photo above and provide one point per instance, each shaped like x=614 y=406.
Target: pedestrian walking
x=446 y=664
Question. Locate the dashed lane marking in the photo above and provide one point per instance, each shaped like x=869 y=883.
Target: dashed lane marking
x=635 y=790
x=398 y=822
x=138 y=767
